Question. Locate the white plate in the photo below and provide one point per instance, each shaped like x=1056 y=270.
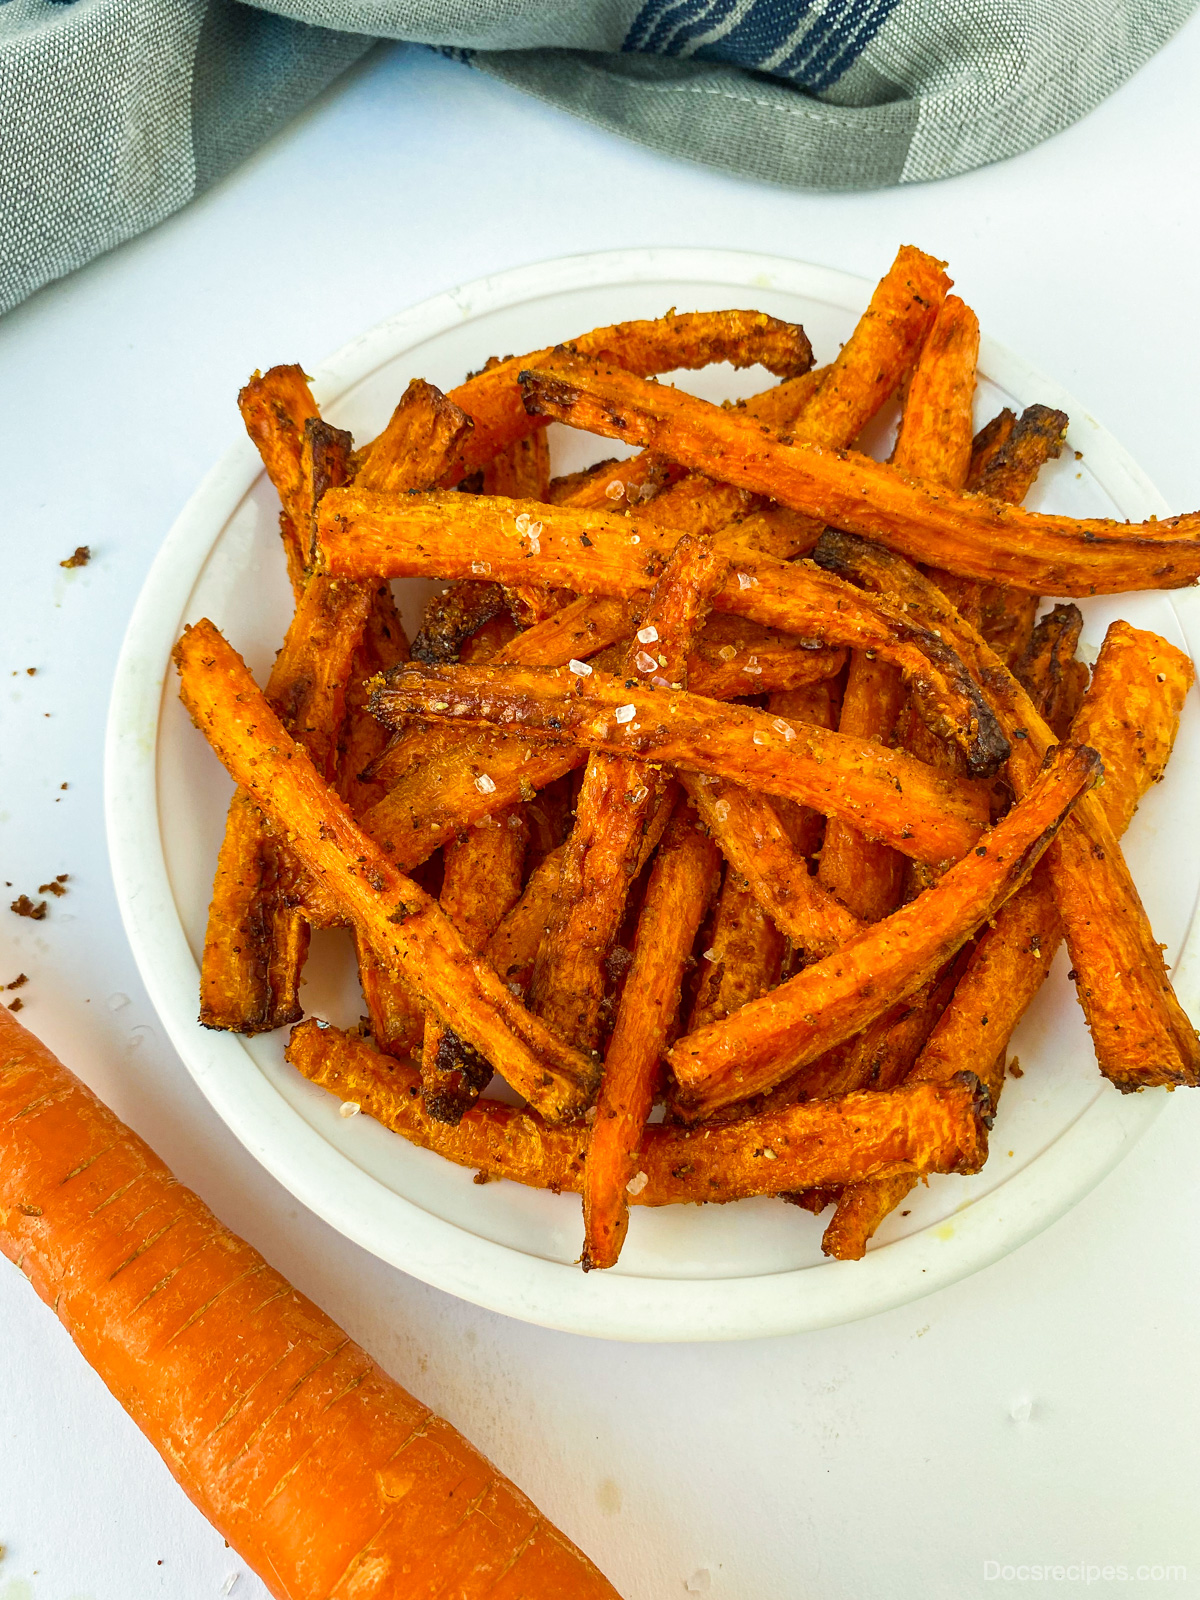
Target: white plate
x=708 y=1272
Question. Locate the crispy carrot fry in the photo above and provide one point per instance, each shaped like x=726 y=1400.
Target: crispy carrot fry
x=425 y=432
x=861 y=1207
x=836 y=998
x=275 y=406
x=754 y=842
x=1006 y=465
x=256 y=938
x=403 y=926
x=744 y=958
x=452 y=616
x=691 y=340
x=926 y=814
x=616 y=803
x=681 y=885
x=1049 y=671
x=935 y=439
x=364 y=535
x=921 y=1128
x=1141 y=1033
x=481 y=884
x=975 y=537
x=396 y=1016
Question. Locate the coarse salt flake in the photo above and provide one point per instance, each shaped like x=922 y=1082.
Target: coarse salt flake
x=785 y=728
x=480 y=568
x=759 y=736
x=523 y=522
x=635 y=538
x=579 y=668
x=535 y=544
x=644 y=662
x=753 y=668
x=484 y=784
x=615 y=490
x=711 y=953
x=721 y=810
x=625 y=713
x=349 y=1108
x=746 y=581
x=637 y=1183
x=648 y=634
x=727 y=652
x=770 y=1154
x=639 y=795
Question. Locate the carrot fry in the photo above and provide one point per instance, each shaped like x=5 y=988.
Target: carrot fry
x=744 y=958
x=969 y=535
x=321 y=1471
x=861 y=1207
x=453 y=616
x=275 y=407
x=1049 y=671
x=422 y=437
x=522 y=472
x=256 y=938
x=513 y=947
x=836 y=998
x=612 y=483
x=692 y=339
x=681 y=885
x=1006 y=465
x=1141 y=1033
x=919 y=1128
x=888 y=794
x=403 y=926
x=481 y=883
x=754 y=842
x=452 y=535
x=616 y=803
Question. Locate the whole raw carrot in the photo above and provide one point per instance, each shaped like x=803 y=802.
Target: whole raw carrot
x=329 y=1479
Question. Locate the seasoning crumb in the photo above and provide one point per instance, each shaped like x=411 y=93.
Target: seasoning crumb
x=18 y=982
x=1015 y=1070
x=55 y=886
x=17 y=1004
x=31 y=672
x=24 y=907
x=83 y=554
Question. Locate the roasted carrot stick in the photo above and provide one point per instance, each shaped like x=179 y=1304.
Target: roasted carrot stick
x=926 y=814
x=681 y=885
x=453 y=535
x=969 y=535
x=934 y=444
x=275 y=407
x=919 y=1128
x=403 y=926
x=1047 y=667
x=322 y=1472
x=836 y=998
x=691 y=339
x=425 y=430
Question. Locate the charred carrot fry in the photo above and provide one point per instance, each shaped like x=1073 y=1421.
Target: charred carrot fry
x=681 y=885
x=969 y=535
x=481 y=884
x=744 y=958
x=616 y=803
x=691 y=340
x=275 y=407
x=919 y=1128
x=403 y=926
x=1047 y=668
x=1141 y=1033
x=257 y=937
x=924 y=813
x=836 y=998
x=319 y=1469
x=513 y=946
x=446 y=535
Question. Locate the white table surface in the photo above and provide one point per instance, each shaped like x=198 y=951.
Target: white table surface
x=1041 y=1412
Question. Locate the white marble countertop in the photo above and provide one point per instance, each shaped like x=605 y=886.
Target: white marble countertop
x=1040 y=1412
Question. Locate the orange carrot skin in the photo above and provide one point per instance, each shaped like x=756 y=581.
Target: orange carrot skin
x=326 y=1476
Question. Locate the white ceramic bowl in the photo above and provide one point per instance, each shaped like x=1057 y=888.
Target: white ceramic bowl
x=712 y=1272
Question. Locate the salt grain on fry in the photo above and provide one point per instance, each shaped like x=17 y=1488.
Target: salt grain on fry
x=349 y=1108
x=648 y=634
x=484 y=784
x=615 y=490
x=644 y=662
x=637 y=1183
x=625 y=713
x=579 y=668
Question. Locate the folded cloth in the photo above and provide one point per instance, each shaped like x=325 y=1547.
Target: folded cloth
x=116 y=112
